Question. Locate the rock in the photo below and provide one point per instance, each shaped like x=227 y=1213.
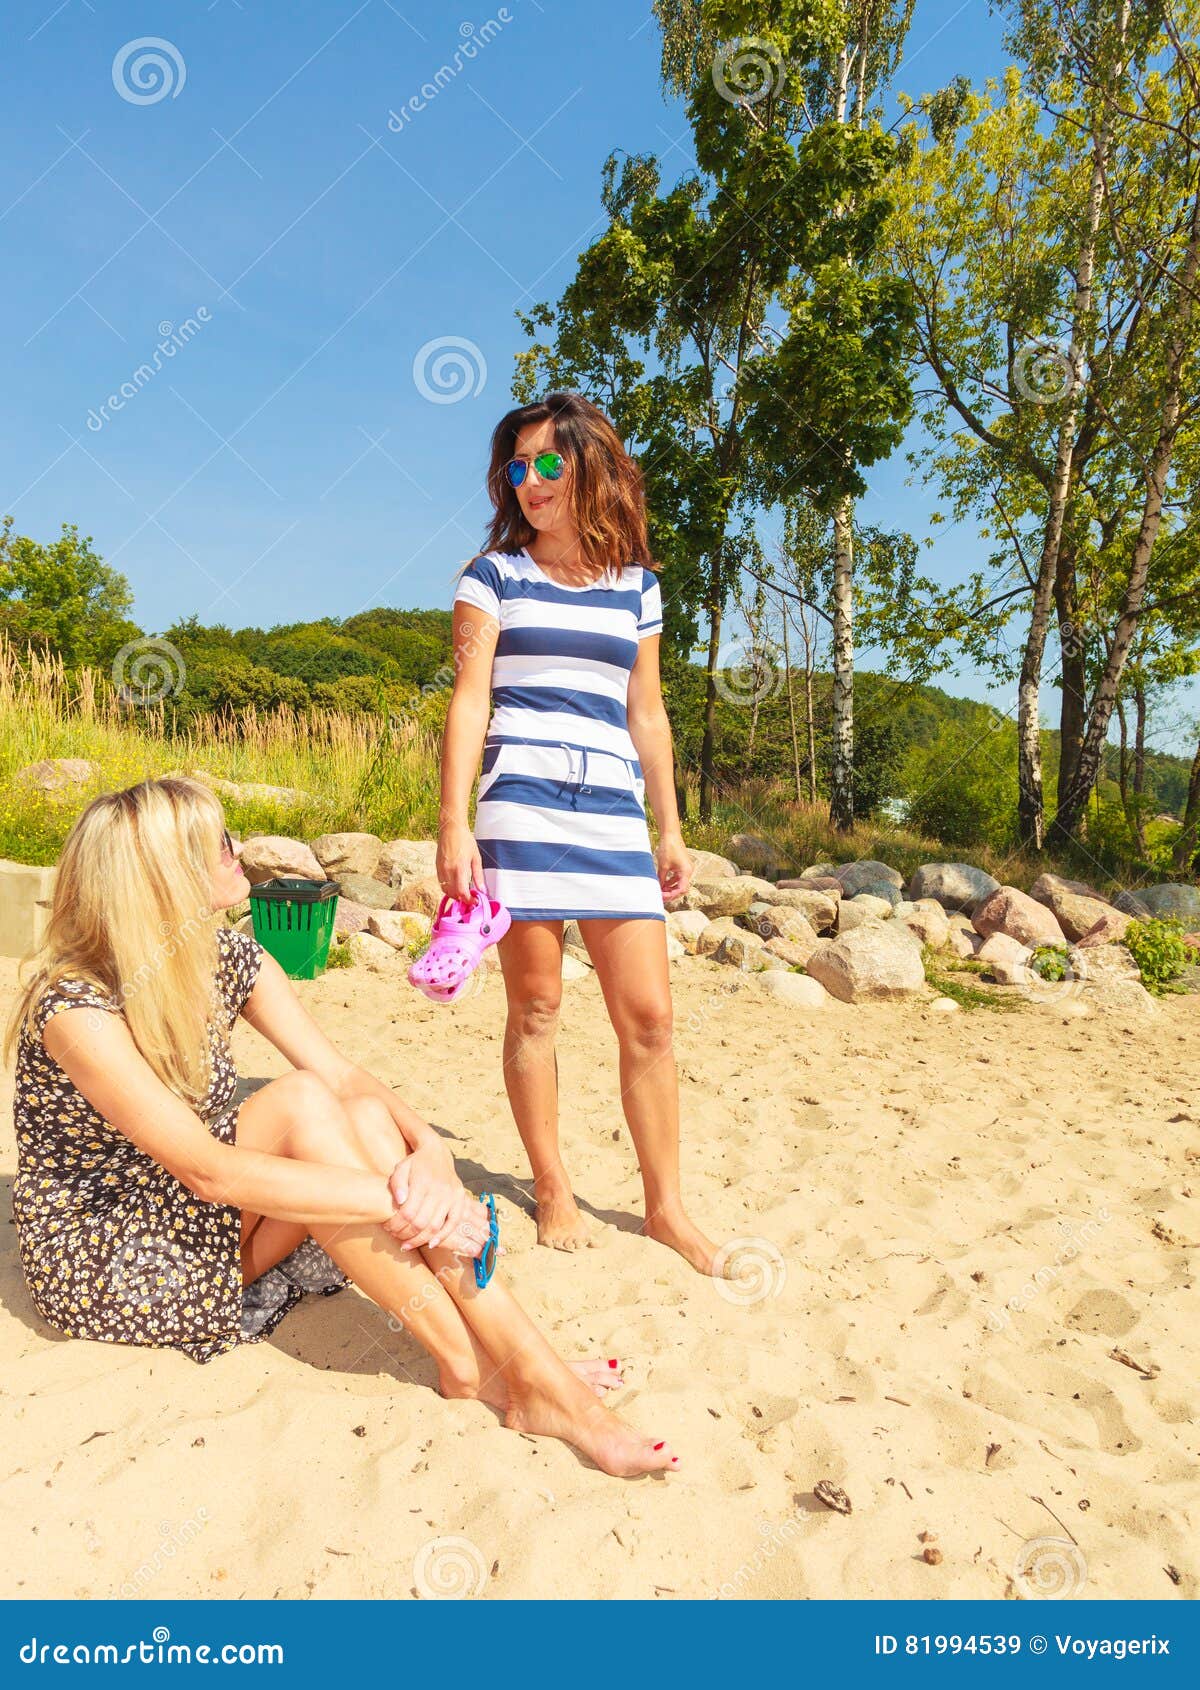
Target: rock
x=1172 y=898
x=1113 y=981
x=1111 y=928
x=718 y=897
x=1130 y=904
x=256 y=792
x=60 y=779
x=956 y=886
x=686 y=926
x=347 y=853
x=790 y=951
x=927 y=919
x=1076 y=905
x=580 y=953
x=573 y=969
x=707 y=865
x=799 y=989
x=1007 y=960
x=945 y=1006
x=423 y=895
x=755 y=855
x=812 y=883
x=739 y=949
x=818 y=908
x=398 y=928
x=963 y=942
x=1008 y=910
x=365 y=889
x=853 y=912
x=764 y=890
x=266 y=855
x=572 y=936
x=777 y=921
x=374 y=953
x=406 y=859
x=873 y=962
x=675 y=948
x=856 y=876
x=1192 y=941
x=881 y=889
x=350 y=917
x=714 y=932
x=767 y=960
x=829 y=870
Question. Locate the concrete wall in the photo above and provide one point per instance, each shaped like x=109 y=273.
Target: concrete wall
x=22 y=920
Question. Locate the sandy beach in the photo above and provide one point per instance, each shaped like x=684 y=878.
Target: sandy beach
x=958 y=1219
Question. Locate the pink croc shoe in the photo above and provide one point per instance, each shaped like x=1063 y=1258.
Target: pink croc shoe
x=461 y=933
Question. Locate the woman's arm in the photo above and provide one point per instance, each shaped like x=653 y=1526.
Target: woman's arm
x=99 y=1057
x=650 y=730
x=475 y=636
x=430 y=1198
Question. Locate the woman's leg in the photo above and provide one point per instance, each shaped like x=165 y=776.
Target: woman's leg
x=631 y=961
x=433 y=1292
x=531 y=959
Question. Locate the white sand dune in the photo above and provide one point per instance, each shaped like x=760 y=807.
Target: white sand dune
x=915 y=1171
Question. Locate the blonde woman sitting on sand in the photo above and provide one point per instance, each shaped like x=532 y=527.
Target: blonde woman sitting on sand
x=147 y=1199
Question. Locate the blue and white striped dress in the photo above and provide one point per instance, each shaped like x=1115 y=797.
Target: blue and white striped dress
x=560 y=820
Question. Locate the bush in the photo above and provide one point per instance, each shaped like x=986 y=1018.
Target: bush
x=1159 y=951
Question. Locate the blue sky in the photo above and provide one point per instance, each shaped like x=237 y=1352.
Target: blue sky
x=287 y=461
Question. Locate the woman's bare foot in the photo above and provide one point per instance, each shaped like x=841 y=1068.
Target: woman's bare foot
x=600 y=1375
x=559 y=1222
x=679 y=1234
x=573 y=1414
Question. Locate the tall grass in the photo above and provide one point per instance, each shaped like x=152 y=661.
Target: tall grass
x=340 y=772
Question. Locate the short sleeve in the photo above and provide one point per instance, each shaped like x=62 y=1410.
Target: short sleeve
x=70 y=994
x=650 y=621
x=480 y=585
x=239 y=963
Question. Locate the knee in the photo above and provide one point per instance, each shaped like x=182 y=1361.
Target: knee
x=314 y=1118
x=534 y=1015
x=650 y=1029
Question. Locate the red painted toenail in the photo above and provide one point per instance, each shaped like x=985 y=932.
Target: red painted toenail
x=660 y=1446
x=612 y=1363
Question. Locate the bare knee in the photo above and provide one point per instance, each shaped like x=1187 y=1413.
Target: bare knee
x=534 y=1014
x=648 y=1031
x=313 y=1119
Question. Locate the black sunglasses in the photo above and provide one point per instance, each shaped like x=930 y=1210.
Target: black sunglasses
x=227 y=849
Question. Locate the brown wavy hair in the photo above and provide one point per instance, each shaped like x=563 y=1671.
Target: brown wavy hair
x=608 y=499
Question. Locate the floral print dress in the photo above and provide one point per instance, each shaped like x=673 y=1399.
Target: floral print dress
x=115 y=1248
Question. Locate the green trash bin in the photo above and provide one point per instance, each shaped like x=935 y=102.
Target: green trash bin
x=293 y=920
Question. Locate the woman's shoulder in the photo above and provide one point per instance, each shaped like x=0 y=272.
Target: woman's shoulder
x=239 y=958
x=69 y=991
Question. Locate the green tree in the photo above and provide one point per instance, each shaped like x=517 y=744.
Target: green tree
x=62 y=597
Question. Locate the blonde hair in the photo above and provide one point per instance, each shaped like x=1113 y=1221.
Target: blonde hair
x=132 y=914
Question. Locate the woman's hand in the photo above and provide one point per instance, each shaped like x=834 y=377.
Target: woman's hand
x=431 y=1201
x=674 y=866
x=459 y=864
